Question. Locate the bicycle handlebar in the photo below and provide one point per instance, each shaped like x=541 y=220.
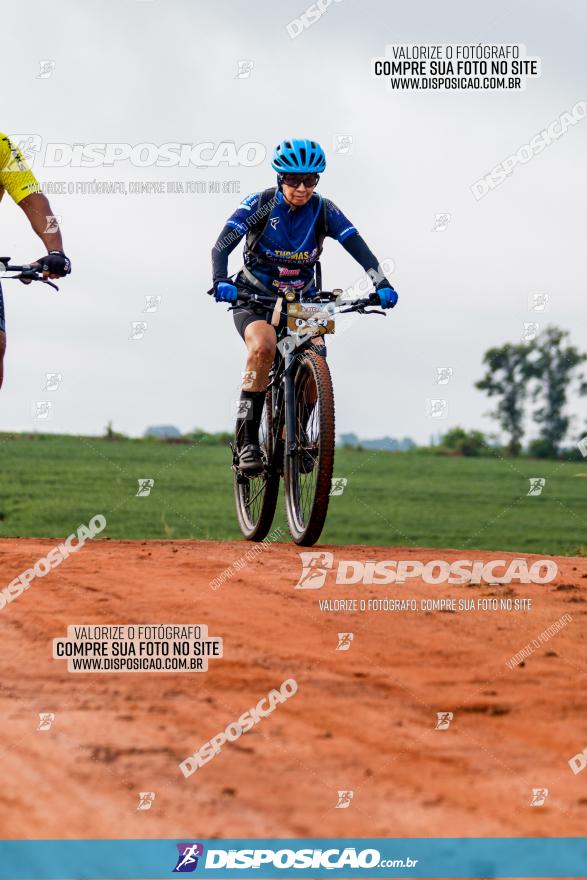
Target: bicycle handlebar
x=323 y=296
x=26 y=273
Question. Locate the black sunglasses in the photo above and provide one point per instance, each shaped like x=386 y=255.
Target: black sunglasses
x=309 y=180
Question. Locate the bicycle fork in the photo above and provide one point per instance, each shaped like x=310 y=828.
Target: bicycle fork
x=290 y=409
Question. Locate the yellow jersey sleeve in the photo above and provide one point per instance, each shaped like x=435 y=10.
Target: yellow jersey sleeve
x=16 y=178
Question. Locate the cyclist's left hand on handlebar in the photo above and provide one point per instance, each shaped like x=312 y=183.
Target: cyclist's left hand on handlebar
x=225 y=292
x=54 y=265
x=387 y=297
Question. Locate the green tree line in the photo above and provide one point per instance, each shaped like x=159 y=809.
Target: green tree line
x=537 y=374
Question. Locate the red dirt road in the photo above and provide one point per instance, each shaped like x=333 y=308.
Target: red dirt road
x=362 y=720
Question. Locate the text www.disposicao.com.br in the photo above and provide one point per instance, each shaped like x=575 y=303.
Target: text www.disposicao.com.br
x=138 y=664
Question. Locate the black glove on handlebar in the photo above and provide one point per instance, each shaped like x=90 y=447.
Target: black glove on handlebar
x=55 y=263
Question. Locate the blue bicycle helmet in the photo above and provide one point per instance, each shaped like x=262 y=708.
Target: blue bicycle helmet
x=298 y=156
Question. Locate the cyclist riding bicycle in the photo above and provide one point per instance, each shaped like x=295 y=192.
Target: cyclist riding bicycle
x=285 y=228
x=18 y=180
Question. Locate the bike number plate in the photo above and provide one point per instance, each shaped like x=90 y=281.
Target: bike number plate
x=309 y=320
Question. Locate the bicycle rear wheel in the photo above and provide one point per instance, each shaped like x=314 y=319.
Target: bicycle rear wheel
x=308 y=469
x=256 y=497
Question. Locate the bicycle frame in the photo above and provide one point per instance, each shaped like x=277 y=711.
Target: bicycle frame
x=283 y=384
x=293 y=448
x=290 y=418
x=282 y=380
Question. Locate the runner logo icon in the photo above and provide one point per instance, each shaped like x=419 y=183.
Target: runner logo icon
x=146 y=799
x=145 y=486
x=344 y=800
x=344 y=641
x=46 y=719
x=187 y=860
x=539 y=795
x=315 y=567
x=444 y=719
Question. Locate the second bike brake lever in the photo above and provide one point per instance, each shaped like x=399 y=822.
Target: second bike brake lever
x=24 y=279
x=50 y=283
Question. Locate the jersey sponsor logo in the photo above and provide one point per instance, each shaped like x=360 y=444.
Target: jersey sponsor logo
x=283 y=270
x=296 y=284
x=294 y=255
x=250 y=200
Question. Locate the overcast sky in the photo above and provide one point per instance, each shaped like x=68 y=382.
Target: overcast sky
x=157 y=72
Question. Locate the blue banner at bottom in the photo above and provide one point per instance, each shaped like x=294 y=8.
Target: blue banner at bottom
x=307 y=858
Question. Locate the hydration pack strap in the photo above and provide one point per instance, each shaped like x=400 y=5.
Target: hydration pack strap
x=318 y=271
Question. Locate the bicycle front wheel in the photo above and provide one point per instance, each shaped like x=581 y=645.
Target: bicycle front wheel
x=309 y=465
x=256 y=497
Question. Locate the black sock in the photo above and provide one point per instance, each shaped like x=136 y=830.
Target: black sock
x=252 y=415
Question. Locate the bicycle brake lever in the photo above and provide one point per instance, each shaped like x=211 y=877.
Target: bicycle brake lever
x=362 y=311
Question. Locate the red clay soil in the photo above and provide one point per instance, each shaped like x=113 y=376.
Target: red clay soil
x=362 y=720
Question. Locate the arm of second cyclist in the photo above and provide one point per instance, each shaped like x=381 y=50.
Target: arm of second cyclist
x=357 y=247
x=224 y=290
x=38 y=211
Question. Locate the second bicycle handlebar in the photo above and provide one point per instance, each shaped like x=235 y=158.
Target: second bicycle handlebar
x=26 y=273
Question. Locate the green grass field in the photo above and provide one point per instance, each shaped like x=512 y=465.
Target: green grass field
x=49 y=485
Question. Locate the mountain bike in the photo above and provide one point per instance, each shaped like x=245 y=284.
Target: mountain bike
x=296 y=434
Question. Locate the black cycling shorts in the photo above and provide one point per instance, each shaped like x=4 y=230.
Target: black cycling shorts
x=245 y=315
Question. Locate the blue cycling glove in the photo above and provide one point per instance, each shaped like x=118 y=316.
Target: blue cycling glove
x=387 y=297
x=225 y=292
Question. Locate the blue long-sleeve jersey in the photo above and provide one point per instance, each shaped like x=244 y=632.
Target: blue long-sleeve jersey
x=287 y=251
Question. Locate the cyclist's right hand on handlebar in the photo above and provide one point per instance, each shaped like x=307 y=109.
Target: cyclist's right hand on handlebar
x=225 y=292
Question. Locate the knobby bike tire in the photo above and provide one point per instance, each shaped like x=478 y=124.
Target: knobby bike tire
x=306 y=528
x=256 y=523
